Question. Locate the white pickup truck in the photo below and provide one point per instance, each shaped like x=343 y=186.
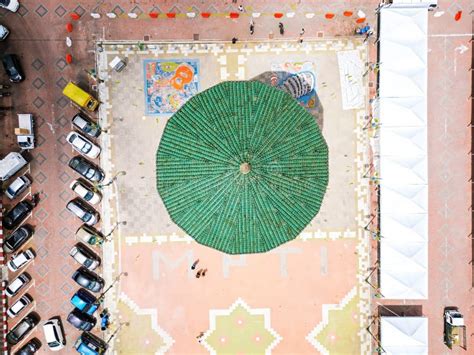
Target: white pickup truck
x=24 y=133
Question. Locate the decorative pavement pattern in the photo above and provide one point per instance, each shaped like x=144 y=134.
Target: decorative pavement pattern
x=240 y=330
x=221 y=62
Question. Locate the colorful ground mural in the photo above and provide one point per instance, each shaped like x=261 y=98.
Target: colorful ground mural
x=169 y=84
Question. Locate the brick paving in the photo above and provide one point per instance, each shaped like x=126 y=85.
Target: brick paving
x=38 y=36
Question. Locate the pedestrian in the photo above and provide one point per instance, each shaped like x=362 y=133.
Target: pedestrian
x=198 y=274
x=252 y=26
x=282 y=28
x=199 y=337
x=193 y=266
x=302 y=32
x=300 y=39
x=234 y=40
x=204 y=272
x=241 y=8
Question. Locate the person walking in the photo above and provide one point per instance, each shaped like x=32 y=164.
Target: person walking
x=241 y=8
x=198 y=274
x=234 y=40
x=203 y=272
x=193 y=266
x=282 y=28
x=252 y=26
x=302 y=32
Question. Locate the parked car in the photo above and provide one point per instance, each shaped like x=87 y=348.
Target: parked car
x=23 y=328
x=20 y=184
x=88 y=279
x=17 y=214
x=4 y=32
x=17 y=285
x=84 y=256
x=11 y=5
x=89 y=235
x=54 y=335
x=17 y=307
x=89 y=343
x=29 y=348
x=14 y=241
x=82 y=145
x=86 y=125
x=20 y=260
x=85 y=301
x=87 y=169
x=81 y=320
x=86 y=192
x=12 y=66
x=83 y=211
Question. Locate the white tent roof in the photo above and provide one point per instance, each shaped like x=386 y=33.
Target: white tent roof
x=404 y=170
x=411 y=227
x=406 y=199
x=402 y=112
x=404 y=335
x=403 y=141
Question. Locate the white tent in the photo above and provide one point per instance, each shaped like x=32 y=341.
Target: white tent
x=403 y=199
x=402 y=112
x=404 y=335
x=404 y=170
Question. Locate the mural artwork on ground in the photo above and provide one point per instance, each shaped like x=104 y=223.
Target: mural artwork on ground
x=169 y=84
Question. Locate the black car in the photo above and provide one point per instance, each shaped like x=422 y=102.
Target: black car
x=89 y=342
x=87 y=169
x=86 y=125
x=19 y=237
x=81 y=320
x=88 y=279
x=17 y=214
x=29 y=348
x=12 y=66
x=23 y=328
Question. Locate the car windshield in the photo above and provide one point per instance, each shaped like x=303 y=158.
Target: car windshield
x=53 y=344
x=90 y=173
x=4 y=2
x=87 y=217
x=88 y=196
x=86 y=148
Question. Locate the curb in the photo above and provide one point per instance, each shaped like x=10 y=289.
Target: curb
x=4 y=296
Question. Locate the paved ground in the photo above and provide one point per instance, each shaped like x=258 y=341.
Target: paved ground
x=326 y=251
x=38 y=36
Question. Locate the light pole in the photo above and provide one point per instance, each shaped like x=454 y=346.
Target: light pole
x=120 y=173
x=124 y=223
x=117 y=330
x=100 y=299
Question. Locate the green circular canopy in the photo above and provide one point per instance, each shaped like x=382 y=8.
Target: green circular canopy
x=242 y=167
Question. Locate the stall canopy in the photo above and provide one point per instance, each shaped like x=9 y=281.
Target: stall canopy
x=402 y=112
x=404 y=335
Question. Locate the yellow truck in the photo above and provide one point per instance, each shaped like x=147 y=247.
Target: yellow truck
x=80 y=97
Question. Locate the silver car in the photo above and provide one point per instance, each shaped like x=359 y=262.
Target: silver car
x=83 y=211
x=20 y=184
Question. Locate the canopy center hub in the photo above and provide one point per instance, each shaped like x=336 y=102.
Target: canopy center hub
x=245 y=168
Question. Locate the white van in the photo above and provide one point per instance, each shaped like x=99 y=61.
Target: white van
x=53 y=334
x=10 y=165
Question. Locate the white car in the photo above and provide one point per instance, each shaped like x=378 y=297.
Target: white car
x=16 y=285
x=20 y=260
x=83 y=145
x=18 y=185
x=4 y=32
x=11 y=5
x=83 y=211
x=19 y=306
x=86 y=192
x=85 y=256
x=54 y=335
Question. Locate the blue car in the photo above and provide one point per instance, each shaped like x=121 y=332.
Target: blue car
x=85 y=301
